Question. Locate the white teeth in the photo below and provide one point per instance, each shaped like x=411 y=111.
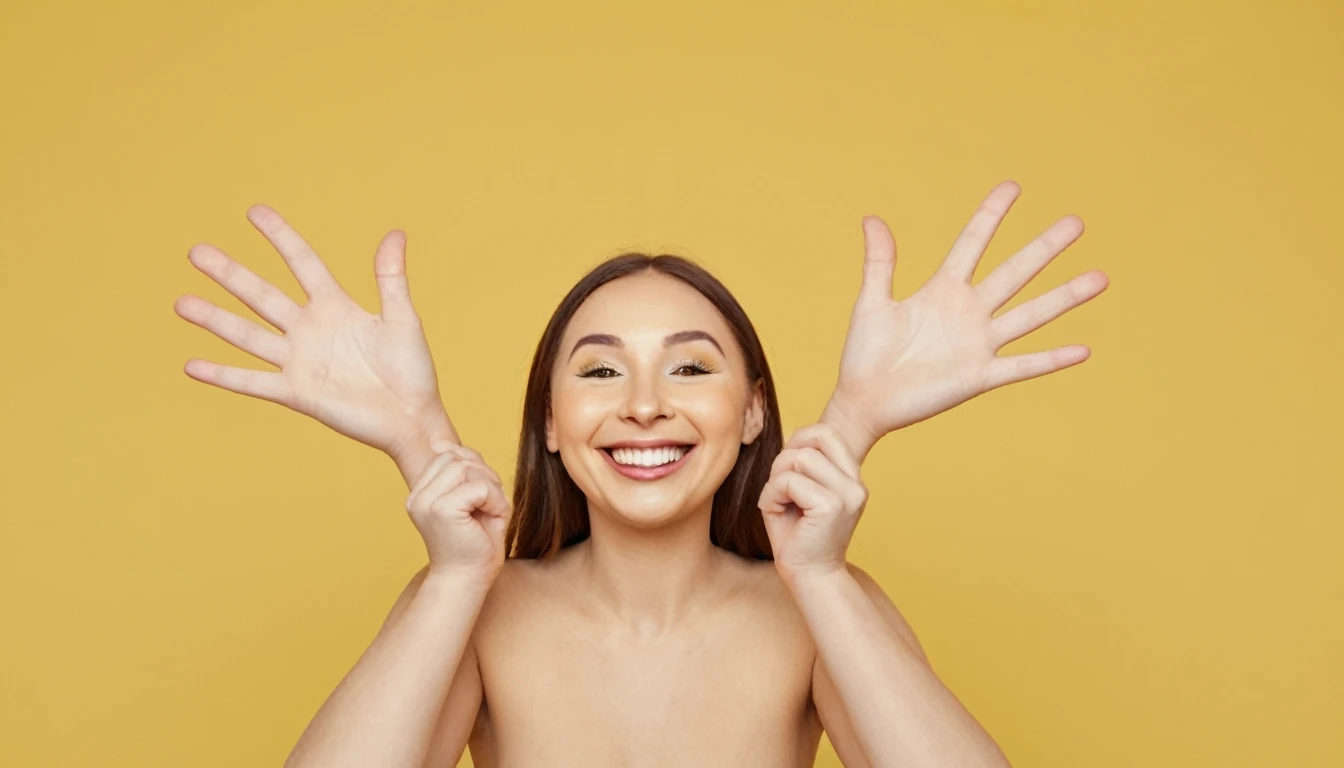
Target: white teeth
x=648 y=457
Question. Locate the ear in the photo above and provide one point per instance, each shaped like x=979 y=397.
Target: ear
x=754 y=420
x=552 y=444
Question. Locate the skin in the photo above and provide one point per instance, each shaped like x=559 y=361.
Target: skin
x=646 y=611
x=644 y=644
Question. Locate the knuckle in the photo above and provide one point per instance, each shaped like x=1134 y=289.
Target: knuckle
x=811 y=457
x=1077 y=289
x=417 y=506
x=857 y=498
x=227 y=269
x=462 y=474
x=441 y=470
x=207 y=312
x=474 y=488
x=439 y=506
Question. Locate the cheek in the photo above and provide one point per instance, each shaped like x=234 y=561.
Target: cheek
x=577 y=414
x=716 y=413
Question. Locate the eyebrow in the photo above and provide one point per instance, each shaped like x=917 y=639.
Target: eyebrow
x=679 y=337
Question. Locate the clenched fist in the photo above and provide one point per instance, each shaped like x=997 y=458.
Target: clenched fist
x=461 y=511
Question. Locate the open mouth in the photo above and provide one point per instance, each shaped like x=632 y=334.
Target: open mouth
x=648 y=463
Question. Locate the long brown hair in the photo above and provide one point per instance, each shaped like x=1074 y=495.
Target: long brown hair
x=549 y=510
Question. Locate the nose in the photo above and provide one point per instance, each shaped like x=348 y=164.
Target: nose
x=645 y=400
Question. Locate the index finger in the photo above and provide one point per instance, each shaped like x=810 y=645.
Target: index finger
x=430 y=471
x=303 y=261
x=824 y=439
x=470 y=454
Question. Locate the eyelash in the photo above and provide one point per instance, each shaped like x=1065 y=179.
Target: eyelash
x=699 y=366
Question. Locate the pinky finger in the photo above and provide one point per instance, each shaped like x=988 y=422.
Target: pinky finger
x=264 y=385
x=1008 y=370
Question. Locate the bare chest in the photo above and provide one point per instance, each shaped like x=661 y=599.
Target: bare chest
x=733 y=691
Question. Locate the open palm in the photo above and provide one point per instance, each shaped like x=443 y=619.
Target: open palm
x=369 y=377
x=904 y=361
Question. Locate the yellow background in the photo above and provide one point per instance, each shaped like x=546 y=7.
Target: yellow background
x=1135 y=562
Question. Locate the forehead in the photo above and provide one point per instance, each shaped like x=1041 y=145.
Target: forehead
x=646 y=307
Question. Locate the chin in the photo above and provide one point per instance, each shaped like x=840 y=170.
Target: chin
x=653 y=511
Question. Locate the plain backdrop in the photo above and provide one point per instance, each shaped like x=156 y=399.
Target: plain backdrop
x=1134 y=562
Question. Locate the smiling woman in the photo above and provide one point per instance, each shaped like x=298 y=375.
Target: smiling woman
x=669 y=585
x=656 y=387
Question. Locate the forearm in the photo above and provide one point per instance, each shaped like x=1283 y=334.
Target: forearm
x=384 y=711
x=901 y=712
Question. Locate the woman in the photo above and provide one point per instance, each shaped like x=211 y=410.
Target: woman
x=625 y=608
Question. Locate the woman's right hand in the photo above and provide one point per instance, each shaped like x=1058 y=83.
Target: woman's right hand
x=369 y=377
x=461 y=511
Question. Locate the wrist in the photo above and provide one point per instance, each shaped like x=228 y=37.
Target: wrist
x=458 y=580
x=813 y=579
x=423 y=428
x=412 y=452
x=841 y=415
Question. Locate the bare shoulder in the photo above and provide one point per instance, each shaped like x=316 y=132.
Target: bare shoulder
x=766 y=634
x=767 y=589
x=758 y=591
x=525 y=593
x=517 y=581
x=514 y=587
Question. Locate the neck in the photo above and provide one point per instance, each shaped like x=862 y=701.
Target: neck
x=649 y=578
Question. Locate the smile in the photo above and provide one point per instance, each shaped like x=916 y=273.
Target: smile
x=648 y=464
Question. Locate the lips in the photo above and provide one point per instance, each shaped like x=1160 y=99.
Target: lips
x=647 y=473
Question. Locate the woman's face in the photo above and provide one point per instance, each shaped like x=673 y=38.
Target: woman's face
x=648 y=360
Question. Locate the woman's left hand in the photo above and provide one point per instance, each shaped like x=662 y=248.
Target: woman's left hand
x=905 y=361
x=811 y=503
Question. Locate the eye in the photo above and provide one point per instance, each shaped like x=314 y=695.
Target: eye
x=696 y=367
x=598 y=370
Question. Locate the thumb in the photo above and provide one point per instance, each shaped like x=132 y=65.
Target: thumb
x=389 y=269
x=879 y=261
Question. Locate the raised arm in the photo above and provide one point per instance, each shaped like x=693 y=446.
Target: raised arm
x=873 y=686
x=369 y=377
x=411 y=699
